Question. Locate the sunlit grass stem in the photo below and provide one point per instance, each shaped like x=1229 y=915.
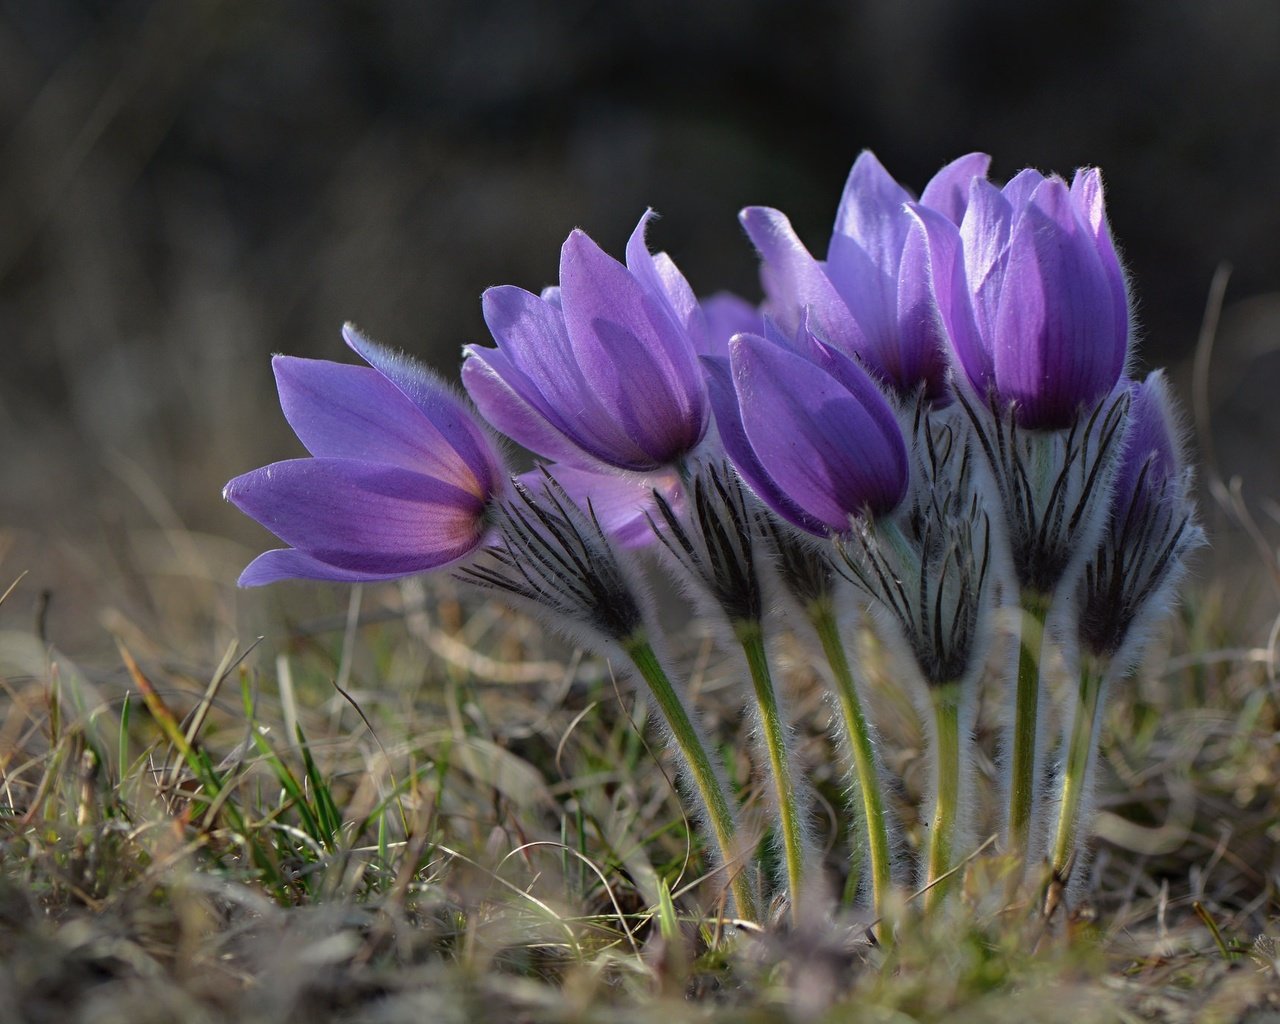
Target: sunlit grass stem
x=790 y=823
x=706 y=781
x=946 y=806
x=865 y=767
x=1025 y=753
x=1082 y=749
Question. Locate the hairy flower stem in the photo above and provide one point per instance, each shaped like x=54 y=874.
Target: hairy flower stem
x=751 y=636
x=1026 y=730
x=946 y=807
x=1081 y=753
x=822 y=615
x=701 y=771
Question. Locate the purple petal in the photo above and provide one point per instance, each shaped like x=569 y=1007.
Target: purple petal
x=948 y=190
x=951 y=290
x=724 y=403
x=451 y=420
x=362 y=517
x=921 y=359
x=1151 y=446
x=354 y=412
x=795 y=281
x=1055 y=347
x=532 y=387
x=726 y=315
x=1086 y=191
x=292 y=564
x=622 y=503
x=984 y=235
x=823 y=448
x=632 y=354
x=1019 y=189
x=870 y=294
x=871 y=212
x=659 y=275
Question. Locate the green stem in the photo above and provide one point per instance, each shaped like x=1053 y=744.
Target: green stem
x=1080 y=756
x=866 y=772
x=751 y=636
x=1026 y=755
x=947 y=767
x=701 y=771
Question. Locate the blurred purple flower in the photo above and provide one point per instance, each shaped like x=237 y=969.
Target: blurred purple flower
x=1032 y=294
x=400 y=482
x=601 y=370
x=874 y=297
x=810 y=432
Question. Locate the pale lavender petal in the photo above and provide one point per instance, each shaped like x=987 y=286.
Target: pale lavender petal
x=984 y=234
x=948 y=190
x=951 y=289
x=871 y=212
x=921 y=351
x=1019 y=189
x=292 y=564
x=362 y=517
x=632 y=354
x=1086 y=191
x=726 y=315
x=354 y=412
x=1054 y=347
x=659 y=275
x=814 y=438
x=794 y=281
x=454 y=423
x=870 y=293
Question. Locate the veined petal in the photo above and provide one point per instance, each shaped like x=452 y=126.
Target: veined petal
x=984 y=235
x=871 y=212
x=1086 y=191
x=632 y=353
x=951 y=289
x=948 y=190
x=354 y=412
x=823 y=448
x=452 y=421
x=795 y=282
x=292 y=564
x=920 y=354
x=535 y=374
x=724 y=403
x=1054 y=347
x=658 y=274
x=362 y=517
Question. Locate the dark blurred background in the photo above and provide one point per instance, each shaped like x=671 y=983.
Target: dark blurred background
x=191 y=185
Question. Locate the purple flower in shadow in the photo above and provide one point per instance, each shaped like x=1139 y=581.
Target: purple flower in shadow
x=808 y=431
x=400 y=482
x=1032 y=294
x=601 y=370
x=874 y=296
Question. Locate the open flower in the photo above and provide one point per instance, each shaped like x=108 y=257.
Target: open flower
x=821 y=437
x=1032 y=294
x=400 y=480
x=874 y=297
x=603 y=369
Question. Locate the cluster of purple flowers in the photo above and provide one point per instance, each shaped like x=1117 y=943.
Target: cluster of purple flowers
x=934 y=423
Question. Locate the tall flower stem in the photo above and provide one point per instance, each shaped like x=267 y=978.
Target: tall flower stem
x=946 y=807
x=1082 y=751
x=751 y=636
x=1025 y=756
x=701 y=770
x=866 y=771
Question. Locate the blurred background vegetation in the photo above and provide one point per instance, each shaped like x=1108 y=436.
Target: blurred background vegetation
x=191 y=186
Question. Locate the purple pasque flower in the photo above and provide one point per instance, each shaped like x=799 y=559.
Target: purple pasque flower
x=809 y=432
x=400 y=480
x=874 y=297
x=601 y=370
x=1032 y=294
x=1128 y=583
